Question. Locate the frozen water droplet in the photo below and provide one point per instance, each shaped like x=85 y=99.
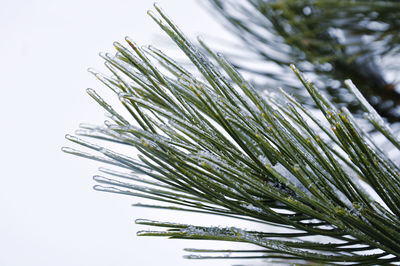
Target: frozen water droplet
x=99 y=178
x=131 y=43
x=70 y=137
x=91 y=91
x=68 y=150
x=92 y=71
x=307 y=11
x=108 y=123
x=122 y=95
x=118 y=46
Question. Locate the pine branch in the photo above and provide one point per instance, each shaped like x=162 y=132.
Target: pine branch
x=210 y=143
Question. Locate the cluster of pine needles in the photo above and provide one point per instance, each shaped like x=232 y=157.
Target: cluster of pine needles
x=209 y=142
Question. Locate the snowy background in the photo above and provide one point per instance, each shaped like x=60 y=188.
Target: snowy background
x=49 y=213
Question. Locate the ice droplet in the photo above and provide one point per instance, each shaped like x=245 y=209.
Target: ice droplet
x=307 y=10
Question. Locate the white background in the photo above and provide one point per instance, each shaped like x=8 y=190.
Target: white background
x=49 y=213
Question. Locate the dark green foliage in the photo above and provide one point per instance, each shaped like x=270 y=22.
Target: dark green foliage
x=336 y=40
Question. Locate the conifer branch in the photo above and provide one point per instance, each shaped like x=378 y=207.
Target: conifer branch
x=211 y=143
